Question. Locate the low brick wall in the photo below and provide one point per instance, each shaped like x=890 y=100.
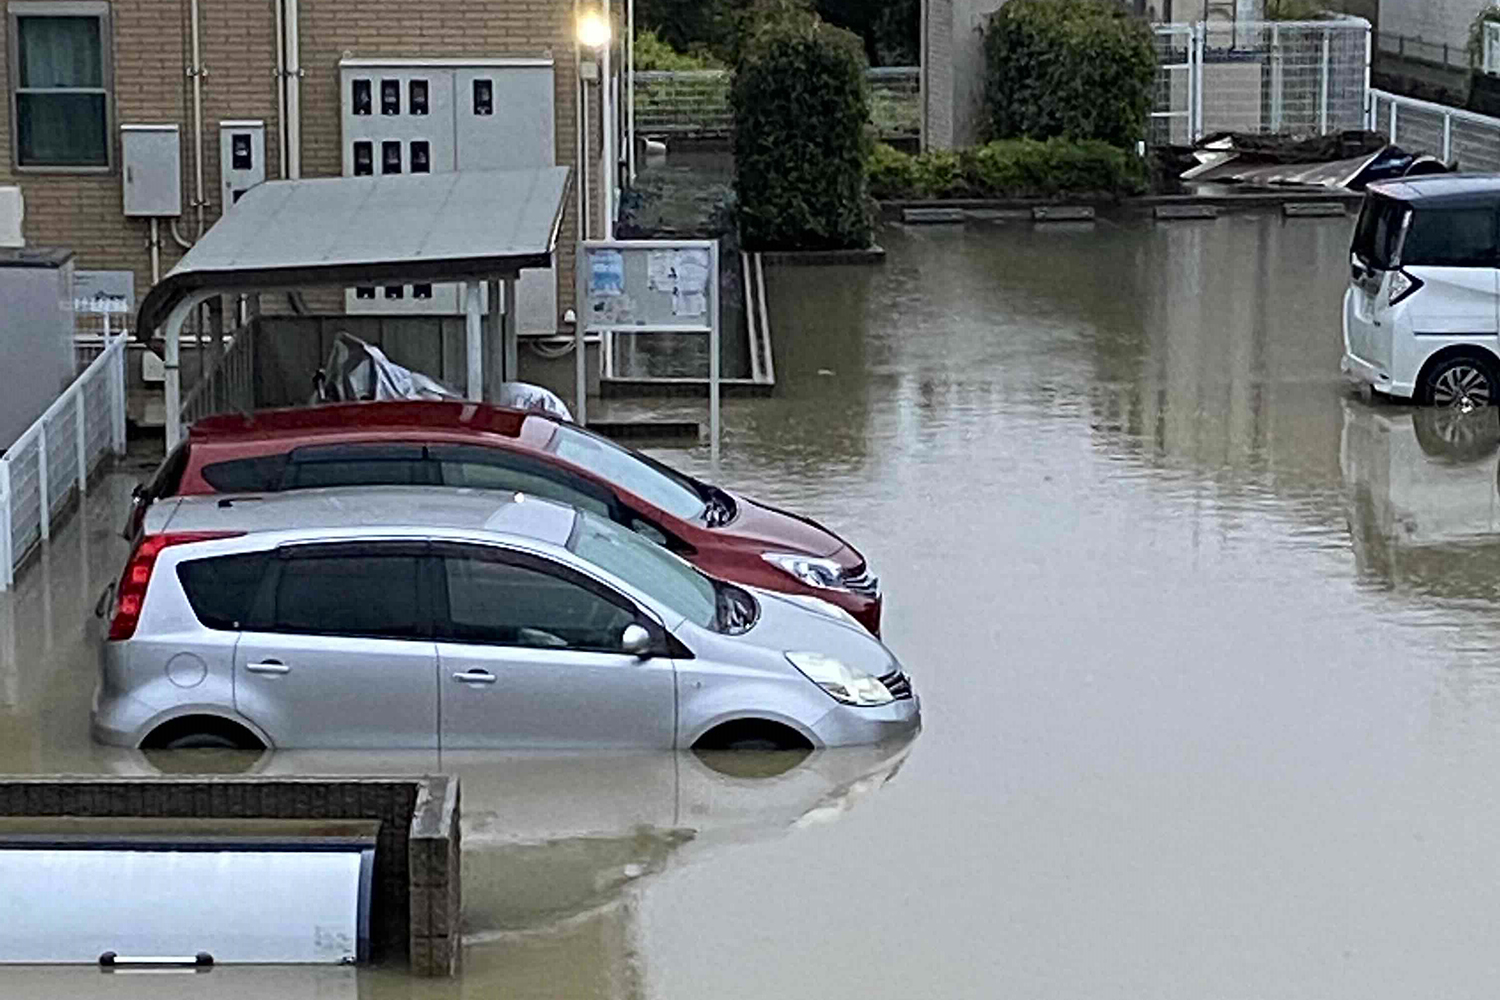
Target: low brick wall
x=417 y=900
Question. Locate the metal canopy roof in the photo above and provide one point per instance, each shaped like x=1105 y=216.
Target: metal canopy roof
x=372 y=230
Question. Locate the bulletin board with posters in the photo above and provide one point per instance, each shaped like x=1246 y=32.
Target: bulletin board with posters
x=650 y=286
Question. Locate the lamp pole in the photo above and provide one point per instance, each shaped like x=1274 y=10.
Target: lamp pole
x=607 y=117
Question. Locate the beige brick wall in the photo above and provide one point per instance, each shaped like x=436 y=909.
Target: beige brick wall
x=151 y=46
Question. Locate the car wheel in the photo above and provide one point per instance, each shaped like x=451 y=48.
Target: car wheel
x=1464 y=382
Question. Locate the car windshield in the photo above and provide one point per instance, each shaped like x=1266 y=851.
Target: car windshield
x=670 y=493
x=1377 y=237
x=647 y=567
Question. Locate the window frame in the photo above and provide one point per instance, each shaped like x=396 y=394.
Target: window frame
x=100 y=11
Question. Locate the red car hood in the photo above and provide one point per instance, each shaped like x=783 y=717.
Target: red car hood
x=778 y=531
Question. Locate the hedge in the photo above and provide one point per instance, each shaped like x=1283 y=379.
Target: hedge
x=1081 y=69
x=1008 y=168
x=801 y=104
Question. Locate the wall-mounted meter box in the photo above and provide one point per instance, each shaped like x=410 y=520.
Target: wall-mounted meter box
x=432 y=116
x=151 y=157
x=242 y=158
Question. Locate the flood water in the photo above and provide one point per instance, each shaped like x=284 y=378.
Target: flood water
x=1207 y=648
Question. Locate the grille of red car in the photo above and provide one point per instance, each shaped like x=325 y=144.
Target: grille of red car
x=862 y=582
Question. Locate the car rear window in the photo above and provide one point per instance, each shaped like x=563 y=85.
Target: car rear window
x=1377 y=235
x=1463 y=237
x=222 y=589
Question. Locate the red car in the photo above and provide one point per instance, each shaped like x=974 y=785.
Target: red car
x=469 y=445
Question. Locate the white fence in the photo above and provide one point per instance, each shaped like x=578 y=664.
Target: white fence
x=1297 y=77
x=40 y=473
x=1448 y=133
x=695 y=103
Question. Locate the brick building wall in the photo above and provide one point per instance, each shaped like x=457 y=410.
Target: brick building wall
x=151 y=51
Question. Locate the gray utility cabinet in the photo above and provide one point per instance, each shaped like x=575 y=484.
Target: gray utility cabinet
x=36 y=340
x=418 y=116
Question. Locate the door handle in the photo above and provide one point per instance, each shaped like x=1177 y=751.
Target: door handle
x=268 y=667
x=475 y=677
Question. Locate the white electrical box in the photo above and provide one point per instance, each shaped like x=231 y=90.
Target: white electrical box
x=414 y=116
x=151 y=157
x=242 y=158
x=12 y=217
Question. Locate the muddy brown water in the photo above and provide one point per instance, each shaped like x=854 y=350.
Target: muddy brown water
x=1206 y=646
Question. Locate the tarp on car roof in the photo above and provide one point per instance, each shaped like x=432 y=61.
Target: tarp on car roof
x=394 y=229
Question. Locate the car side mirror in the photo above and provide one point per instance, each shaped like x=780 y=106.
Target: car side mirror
x=635 y=641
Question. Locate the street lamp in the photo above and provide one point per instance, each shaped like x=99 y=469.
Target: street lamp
x=594 y=32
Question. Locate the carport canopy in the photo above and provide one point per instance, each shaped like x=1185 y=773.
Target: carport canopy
x=395 y=229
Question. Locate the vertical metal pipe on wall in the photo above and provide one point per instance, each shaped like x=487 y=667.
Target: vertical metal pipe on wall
x=630 y=88
x=293 y=91
x=280 y=85
x=607 y=122
x=196 y=72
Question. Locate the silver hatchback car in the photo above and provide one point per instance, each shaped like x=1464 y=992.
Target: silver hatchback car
x=458 y=619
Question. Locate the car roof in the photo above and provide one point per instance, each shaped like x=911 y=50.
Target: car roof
x=403 y=508
x=404 y=415
x=1443 y=190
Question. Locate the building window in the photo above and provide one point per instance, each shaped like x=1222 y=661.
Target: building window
x=60 y=79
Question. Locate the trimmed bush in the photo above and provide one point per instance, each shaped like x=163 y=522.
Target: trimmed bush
x=652 y=53
x=1079 y=69
x=1009 y=168
x=801 y=104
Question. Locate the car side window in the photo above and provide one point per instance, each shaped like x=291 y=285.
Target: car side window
x=357 y=591
x=222 y=589
x=1464 y=237
x=495 y=600
x=357 y=465
x=491 y=469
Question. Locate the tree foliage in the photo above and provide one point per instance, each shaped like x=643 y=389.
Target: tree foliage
x=801 y=105
x=1081 y=69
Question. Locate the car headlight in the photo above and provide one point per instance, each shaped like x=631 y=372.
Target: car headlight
x=843 y=682
x=810 y=570
x=822 y=607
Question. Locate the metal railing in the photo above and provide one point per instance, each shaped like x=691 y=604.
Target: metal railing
x=695 y=103
x=1448 y=133
x=1297 y=77
x=229 y=387
x=41 y=471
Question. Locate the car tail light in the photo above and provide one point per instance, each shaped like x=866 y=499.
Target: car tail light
x=130 y=595
x=1403 y=286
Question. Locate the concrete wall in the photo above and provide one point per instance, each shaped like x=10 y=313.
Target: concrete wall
x=953 y=57
x=1440 y=21
x=150 y=49
x=417 y=896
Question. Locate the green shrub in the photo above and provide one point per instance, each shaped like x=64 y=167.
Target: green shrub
x=1080 y=69
x=801 y=104
x=892 y=173
x=1009 y=168
x=651 y=53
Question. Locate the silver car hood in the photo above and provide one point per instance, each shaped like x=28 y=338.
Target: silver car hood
x=786 y=626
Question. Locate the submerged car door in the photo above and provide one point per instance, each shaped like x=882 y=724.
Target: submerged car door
x=529 y=656
x=338 y=651
x=1452 y=252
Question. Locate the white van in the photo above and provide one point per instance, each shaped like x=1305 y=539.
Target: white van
x=1422 y=314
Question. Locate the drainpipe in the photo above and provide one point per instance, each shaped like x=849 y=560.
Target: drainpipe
x=155 y=251
x=630 y=87
x=197 y=72
x=293 y=92
x=280 y=85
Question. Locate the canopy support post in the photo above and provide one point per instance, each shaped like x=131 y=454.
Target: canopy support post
x=474 y=341
x=172 y=364
x=509 y=336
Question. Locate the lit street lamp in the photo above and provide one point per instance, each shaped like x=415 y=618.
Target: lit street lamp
x=594 y=32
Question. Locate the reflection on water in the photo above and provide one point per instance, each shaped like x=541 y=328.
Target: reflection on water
x=1207 y=648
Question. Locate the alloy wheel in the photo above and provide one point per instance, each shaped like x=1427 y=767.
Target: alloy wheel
x=1465 y=386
